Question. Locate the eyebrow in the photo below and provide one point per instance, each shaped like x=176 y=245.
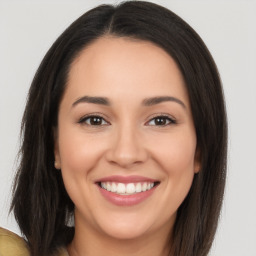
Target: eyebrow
x=146 y=102
x=93 y=100
x=157 y=100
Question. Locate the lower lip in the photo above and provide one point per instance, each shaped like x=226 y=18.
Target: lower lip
x=126 y=200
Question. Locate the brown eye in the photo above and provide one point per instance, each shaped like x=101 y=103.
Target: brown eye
x=161 y=121
x=93 y=120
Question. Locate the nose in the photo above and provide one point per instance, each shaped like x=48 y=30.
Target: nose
x=127 y=148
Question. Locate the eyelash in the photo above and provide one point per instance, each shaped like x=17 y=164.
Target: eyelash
x=164 y=117
x=100 y=119
x=84 y=119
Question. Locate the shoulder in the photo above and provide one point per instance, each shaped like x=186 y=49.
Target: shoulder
x=12 y=244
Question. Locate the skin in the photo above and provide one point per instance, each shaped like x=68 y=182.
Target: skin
x=126 y=141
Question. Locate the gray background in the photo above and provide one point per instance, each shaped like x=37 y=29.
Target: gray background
x=27 y=30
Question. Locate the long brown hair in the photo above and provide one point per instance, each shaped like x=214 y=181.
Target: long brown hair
x=40 y=203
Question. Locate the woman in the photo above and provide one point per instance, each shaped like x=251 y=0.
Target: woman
x=124 y=129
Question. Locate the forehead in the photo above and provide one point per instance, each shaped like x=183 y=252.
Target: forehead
x=125 y=65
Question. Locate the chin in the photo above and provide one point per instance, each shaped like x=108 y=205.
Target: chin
x=124 y=227
x=125 y=232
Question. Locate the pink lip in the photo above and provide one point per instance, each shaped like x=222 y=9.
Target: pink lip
x=125 y=200
x=125 y=179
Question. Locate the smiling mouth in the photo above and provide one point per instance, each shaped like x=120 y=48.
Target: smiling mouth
x=127 y=188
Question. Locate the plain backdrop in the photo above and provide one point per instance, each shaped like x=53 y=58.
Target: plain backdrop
x=27 y=30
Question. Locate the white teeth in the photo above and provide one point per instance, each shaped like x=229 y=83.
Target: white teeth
x=144 y=186
x=127 y=189
x=120 y=188
x=108 y=186
x=138 y=187
x=104 y=185
x=130 y=188
x=113 y=187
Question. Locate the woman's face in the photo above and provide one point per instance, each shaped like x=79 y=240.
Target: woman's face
x=126 y=142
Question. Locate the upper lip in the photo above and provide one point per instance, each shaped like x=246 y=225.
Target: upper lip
x=125 y=179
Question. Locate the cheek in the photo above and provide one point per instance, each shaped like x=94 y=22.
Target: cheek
x=177 y=155
x=78 y=152
x=176 y=159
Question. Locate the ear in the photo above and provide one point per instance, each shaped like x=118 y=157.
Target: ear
x=57 y=159
x=197 y=161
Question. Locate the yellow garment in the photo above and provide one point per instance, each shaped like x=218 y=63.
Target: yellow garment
x=13 y=245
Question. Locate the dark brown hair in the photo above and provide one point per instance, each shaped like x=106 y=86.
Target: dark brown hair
x=40 y=203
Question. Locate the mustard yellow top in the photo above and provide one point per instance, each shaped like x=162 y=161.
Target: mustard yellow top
x=13 y=245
